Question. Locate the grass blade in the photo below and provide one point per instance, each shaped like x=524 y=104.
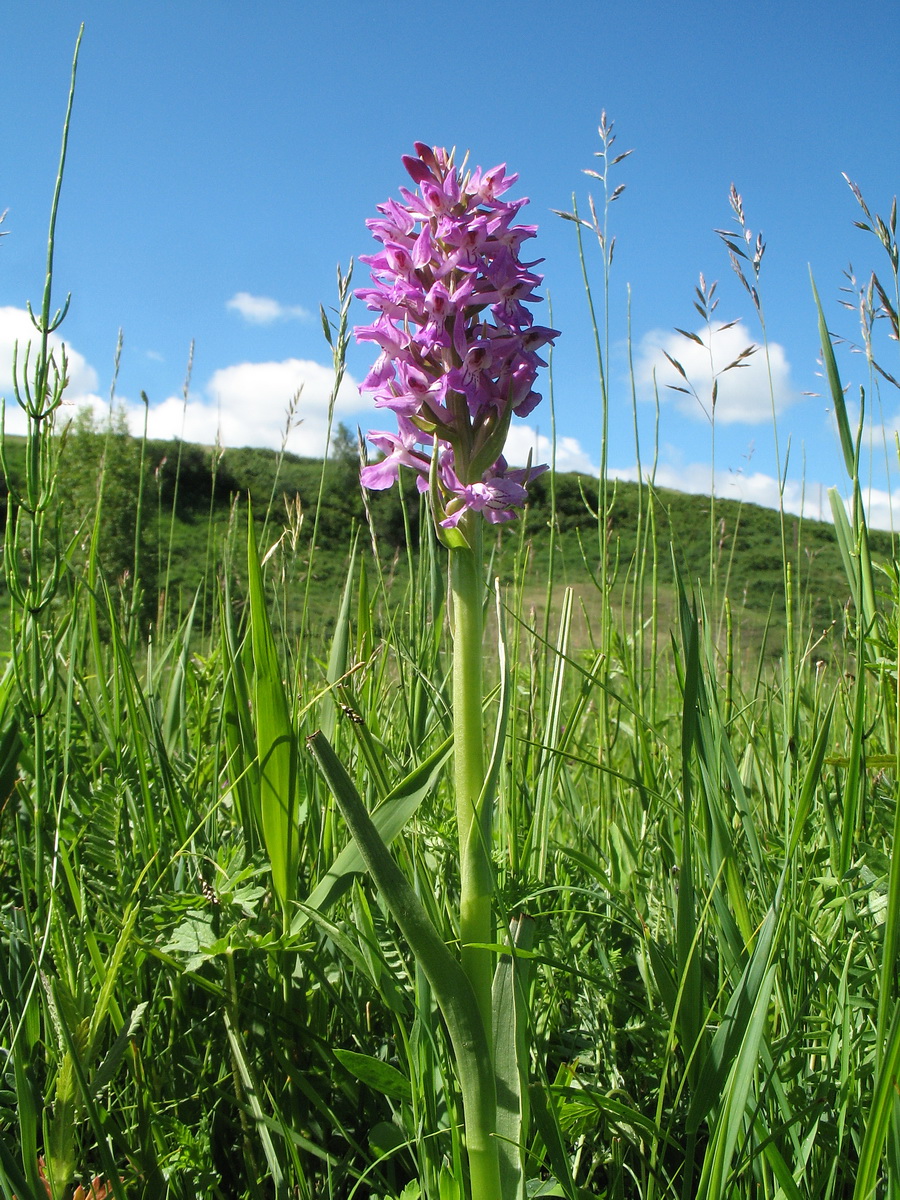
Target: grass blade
x=884 y=1099
x=389 y=818
x=276 y=744
x=511 y=1058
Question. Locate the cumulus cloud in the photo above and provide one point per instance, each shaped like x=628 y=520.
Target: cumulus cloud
x=744 y=395
x=882 y=508
x=247 y=405
x=263 y=310
x=243 y=405
x=751 y=487
x=570 y=456
x=16 y=328
x=249 y=401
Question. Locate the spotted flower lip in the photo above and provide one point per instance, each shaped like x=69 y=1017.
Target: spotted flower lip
x=457 y=340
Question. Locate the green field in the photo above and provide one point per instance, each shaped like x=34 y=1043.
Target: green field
x=696 y=806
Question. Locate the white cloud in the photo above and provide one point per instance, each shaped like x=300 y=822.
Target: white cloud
x=16 y=327
x=245 y=404
x=570 y=456
x=263 y=310
x=808 y=500
x=744 y=394
x=249 y=401
x=882 y=508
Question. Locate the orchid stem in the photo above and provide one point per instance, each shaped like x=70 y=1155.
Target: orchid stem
x=473 y=814
x=474 y=817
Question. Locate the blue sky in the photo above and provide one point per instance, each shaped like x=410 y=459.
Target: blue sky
x=225 y=155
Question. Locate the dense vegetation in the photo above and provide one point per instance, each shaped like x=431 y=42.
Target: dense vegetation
x=669 y=816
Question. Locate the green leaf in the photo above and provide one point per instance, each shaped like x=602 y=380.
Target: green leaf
x=175 y=718
x=338 y=659
x=378 y=1075
x=389 y=819
x=844 y=538
x=883 y=1102
x=278 y=776
x=237 y=726
x=449 y=1187
x=511 y=1056
x=732 y=1113
x=105 y=1001
x=194 y=938
x=251 y=1093
x=729 y=1038
x=116 y=1052
x=385 y=1139
x=834 y=386
x=449 y=983
x=546 y=1119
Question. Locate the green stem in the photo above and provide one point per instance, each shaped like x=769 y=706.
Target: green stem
x=473 y=812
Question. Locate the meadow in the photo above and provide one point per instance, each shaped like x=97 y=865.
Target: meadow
x=205 y=987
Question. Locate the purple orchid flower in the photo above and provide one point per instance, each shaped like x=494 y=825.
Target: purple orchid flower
x=458 y=344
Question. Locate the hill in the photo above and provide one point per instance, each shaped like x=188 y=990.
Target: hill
x=173 y=513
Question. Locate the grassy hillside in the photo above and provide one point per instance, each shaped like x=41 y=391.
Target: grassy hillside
x=188 y=505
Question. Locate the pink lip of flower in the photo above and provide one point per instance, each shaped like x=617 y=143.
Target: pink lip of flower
x=399 y=451
x=457 y=340
x=496 y=496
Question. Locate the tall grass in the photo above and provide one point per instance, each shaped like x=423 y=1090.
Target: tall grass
x=201 y=992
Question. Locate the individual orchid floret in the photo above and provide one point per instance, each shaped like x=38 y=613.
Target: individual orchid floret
x=399 y=451
x=457 y=340
x=496 y=495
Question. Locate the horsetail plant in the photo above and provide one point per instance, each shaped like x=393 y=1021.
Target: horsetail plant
x=459 y=358
x=33 y=565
